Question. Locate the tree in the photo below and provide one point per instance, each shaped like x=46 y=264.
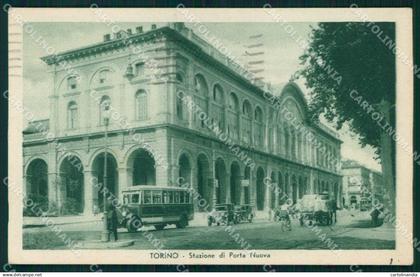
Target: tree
x=350 y=71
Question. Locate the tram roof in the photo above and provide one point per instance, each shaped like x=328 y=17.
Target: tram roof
x=138 y=188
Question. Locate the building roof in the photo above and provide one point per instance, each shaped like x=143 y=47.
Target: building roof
x=347 y=164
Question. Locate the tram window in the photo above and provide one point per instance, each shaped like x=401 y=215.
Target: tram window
x=157 y=197
x=135 y=198
x=182 y=197
x=147 y=197
x=171 y=197
x=176 y=197
x=165 y=198
x=187 y=198
x=125 y=199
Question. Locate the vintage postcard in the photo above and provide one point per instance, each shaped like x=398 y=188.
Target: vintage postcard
x=210 y=136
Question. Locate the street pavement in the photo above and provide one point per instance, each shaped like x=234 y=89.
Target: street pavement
x=352 y=231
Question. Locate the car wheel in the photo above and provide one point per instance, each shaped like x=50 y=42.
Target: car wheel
x=209 y=222
x=133 y=224
x=324 y=220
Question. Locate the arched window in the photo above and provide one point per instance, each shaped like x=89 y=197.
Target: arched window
x=72 y=117
x=179 y=108
x=287 y=141
x=258 y=115
x=179 y=78
x=103 y=77
x=200 y=85
x=141 y=105
x=233 y=102
x=246 y=109
x=247 y=122
x=233 y=116
x=259 y=127
x=217 y=110
x=200 y=97
x=218 y=95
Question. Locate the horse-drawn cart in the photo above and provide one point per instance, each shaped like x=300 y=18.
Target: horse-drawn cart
x=314 y=209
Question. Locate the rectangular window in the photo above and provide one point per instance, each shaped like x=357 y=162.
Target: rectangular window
x=72 y=118
x=176 y=197
x=141 y=105
x=126 y=199
x=187 y=197
x=147 y=197
x=171 y=197
x=157 y=197
x=139 y=69
x=165 y=198
x=182 y=197
x=135 y=198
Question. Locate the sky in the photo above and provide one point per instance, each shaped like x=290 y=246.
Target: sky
x=280 y=46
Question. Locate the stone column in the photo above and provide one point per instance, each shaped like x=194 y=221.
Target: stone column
x=227 y=188
x=53 y=195
x=253 y=188
x=88 y=184
x=242 y=190
x=267 y=193
x=174 y=175
x=123 y=180
x=95 y=191
x=129 y=177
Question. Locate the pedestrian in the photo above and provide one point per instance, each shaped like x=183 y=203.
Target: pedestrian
x=112 y=221
x=333 y=210
x=374 y=214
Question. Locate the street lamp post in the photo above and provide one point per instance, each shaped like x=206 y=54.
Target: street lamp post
x=105 y=232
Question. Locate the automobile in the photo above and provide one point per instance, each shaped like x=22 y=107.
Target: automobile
x=242 y=213
x=222 y=214
x=156 y=206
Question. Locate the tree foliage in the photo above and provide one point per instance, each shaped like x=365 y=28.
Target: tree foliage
x=345 y=57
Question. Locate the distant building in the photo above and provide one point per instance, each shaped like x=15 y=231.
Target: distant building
x=155 y=138
x=361 y=185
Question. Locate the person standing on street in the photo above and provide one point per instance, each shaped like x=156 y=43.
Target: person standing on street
x=112 y=221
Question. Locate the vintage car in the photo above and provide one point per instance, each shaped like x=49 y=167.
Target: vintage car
x=242 y=213
x=314 y=209
x=222 y=214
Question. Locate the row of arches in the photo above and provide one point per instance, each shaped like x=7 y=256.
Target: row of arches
x=226 y=111
x=216 y=182
x=69 y=193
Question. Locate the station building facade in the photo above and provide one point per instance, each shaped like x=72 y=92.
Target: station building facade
x=236 y=145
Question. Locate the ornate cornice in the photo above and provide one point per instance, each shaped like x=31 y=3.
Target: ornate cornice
x=103 y=47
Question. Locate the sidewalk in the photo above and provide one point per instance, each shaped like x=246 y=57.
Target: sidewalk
x=31 y=222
